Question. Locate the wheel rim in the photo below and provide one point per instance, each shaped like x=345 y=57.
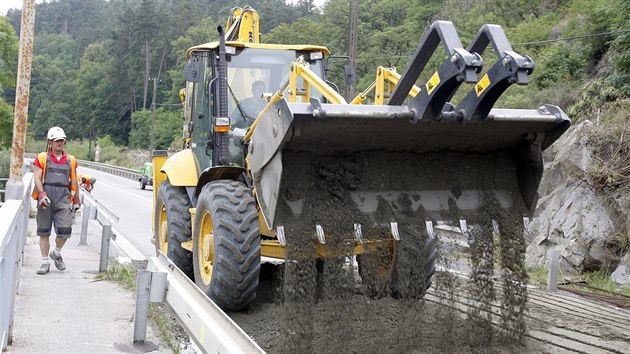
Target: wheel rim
x=206 y=248
x=163 y=230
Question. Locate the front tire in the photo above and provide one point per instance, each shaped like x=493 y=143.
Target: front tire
x=226 y=244
x=172 y=226
x=414 y=268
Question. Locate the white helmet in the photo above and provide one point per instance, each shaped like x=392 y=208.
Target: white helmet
x=56 y=133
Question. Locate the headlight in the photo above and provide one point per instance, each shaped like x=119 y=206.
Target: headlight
x=316 y=55
x=222 y=124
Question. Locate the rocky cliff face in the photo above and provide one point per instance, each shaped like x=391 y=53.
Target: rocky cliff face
x=585 y=225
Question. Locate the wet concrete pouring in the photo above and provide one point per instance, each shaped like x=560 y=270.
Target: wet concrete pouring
x=331 y=305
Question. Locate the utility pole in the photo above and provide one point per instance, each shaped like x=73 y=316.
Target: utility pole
x=15 y=187
x=153 y=110
x=146 y=72
x=353 y=34
x=90 y=138
x=153 y=103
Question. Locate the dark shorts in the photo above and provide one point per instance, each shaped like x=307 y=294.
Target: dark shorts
x=60 y=215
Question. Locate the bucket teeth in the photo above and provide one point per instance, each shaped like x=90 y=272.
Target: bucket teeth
x=320 y=234
x=394 y=228
x=280 y=234
x=430 y=231
x=526 y=222
x=463 y=225
x=357 y=233
x=495 y=227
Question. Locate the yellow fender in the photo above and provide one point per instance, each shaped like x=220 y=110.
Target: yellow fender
x=182 y=169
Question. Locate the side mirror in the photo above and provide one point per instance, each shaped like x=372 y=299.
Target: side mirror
x=191 y=71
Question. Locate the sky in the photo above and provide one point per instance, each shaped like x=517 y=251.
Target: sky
x=5 y=5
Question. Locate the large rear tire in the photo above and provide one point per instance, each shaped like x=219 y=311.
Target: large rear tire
x=172 y=226
x=414 y=267
x=226 y=244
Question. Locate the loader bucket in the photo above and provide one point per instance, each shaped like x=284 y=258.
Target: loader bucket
x=339 y=166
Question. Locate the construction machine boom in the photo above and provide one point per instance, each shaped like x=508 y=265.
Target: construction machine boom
x=310 y=175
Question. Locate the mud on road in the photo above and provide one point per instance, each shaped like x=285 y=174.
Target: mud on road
x=309 y=305
x=556 y=323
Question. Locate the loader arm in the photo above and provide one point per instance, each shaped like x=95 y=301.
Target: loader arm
x=386 y=81
x=291 y=91
x=300 y=68
x=243 y=25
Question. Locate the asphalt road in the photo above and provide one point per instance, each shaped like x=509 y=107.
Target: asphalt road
x=125 y=199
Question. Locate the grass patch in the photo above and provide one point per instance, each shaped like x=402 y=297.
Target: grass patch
x=538 y=276
x=156 y=312
x=599 y=279
x=599 y=282
x=119 y=274
x=610 y=169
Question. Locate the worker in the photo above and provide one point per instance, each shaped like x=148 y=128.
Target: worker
x=57 y=195
x=253 y=105
x=87 y=182
x=249 y=108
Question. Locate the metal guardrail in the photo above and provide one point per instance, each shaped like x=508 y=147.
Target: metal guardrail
x=14 y=215
x=212 y=330
x=3 y=183
x=111 y=169
x=93 y=210
x=114 y=170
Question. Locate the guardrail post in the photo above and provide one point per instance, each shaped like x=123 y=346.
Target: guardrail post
x=85 y=220
x=107 y=230
x=150 y=287
x=554 y=266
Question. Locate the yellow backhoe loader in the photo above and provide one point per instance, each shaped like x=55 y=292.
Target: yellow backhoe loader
x=309 y=175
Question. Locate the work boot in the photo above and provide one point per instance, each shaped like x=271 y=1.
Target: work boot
x=58 y=260
x=43 y=269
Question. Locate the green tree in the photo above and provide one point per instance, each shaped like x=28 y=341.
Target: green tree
x=302 y=31
x=95 y=98
x=8 y=65
x=166 y=129
x=621 y=47
x=8 y=54
x=52 y=82
x=6 y=125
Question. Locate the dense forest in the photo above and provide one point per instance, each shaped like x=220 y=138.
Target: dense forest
x=95 y=61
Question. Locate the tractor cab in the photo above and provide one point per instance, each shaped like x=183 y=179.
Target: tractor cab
x=254 y=73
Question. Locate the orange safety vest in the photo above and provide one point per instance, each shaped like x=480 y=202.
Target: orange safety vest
x=73 y=174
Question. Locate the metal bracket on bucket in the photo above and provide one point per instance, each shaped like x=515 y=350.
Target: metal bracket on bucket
x=511 y=68
x=461 y=66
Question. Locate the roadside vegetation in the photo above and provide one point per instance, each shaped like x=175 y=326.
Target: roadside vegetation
x=109 y=153
x=595 y=282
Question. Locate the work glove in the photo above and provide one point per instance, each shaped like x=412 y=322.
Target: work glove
x=42 y=200
x=76 y=204
x=239 y=132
